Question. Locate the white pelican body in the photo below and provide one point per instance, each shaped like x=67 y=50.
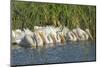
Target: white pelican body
x=38 y=39
x=17 y=36
x=80 y=34
x=54 y=34
x=88 y=32
x=46 y=38
x=62 y=31
x=29 y=38
x=71 y=36
x=44 y=32
x=28 y=41
x=55 y=37
x=31 y=41
x=50 y=39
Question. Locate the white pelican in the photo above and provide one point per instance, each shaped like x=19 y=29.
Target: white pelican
x=55 y=37
x=38 y=39
x=62 y=31
x=54 y=33
x=86 y=36
x=23 y=38
x=44 y=32
x=17 y=36
x=28 y=41
x=29 y=38
x=80 y=34
x=71 y=36
x=88 y=32
x=76 y=34
x=46 y=38
x=50 y=39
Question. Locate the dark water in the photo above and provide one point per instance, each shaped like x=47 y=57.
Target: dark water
x=68 y=52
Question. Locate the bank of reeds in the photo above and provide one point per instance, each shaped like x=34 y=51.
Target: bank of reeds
x=29 y=14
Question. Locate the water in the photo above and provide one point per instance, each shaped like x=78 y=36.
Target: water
x=68 y=52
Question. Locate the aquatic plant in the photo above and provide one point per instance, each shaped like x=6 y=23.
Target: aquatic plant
x=30 y=14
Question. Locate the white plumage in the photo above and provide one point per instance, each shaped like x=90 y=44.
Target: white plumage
x=49 y=34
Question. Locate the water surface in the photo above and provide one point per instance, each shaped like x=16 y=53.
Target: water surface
x=67 y=52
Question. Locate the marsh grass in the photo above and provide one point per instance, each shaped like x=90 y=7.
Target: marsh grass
x=29 y=14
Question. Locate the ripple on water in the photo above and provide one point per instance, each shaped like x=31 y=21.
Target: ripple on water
x=69 y=52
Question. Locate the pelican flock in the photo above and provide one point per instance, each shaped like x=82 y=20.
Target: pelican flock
x=41 y=36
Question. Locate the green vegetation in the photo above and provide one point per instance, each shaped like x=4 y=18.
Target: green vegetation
x=29 y=14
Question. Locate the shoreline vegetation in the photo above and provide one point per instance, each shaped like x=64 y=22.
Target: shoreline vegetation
x=30 y=14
